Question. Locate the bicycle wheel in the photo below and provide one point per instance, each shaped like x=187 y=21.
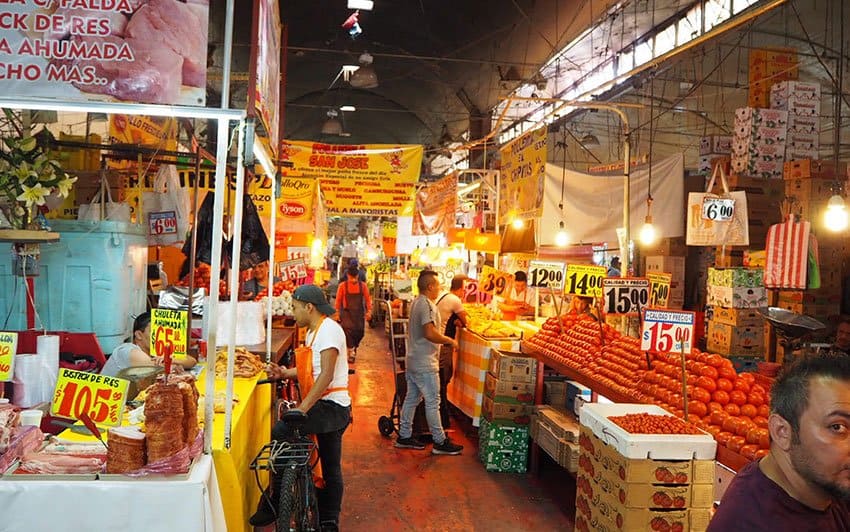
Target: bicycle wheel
x=307 y=505
x=288 y=498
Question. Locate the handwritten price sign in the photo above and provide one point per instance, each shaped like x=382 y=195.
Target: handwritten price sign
x=718 y=209
x=162 y=223
x=546 y=274
x=625 y=295
x=585 y=279
x=471 y=293
x=169 y=330
x=292 y=270
x=8 y=348
x=99 y=396
x=667 y=331
x=494 y=282
x=659 y=292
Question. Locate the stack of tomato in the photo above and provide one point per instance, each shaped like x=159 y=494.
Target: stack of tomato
x=277 y=289
x=601 y=354
x=201 y=277
x=731 y=407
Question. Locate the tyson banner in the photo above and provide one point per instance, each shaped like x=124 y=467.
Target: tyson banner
x=364 y=179
x=124 y=50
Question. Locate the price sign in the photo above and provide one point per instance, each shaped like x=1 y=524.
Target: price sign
x=292 y=270
x=8 y=348
x=495 y=282
x=100 y=396
x=667 y=331
x=546 y=274
x=585 y=279
x=169 y=330
x=624 y=295
x=718 y=209
x=659 y=291
x=162 y=223
x=471 y=293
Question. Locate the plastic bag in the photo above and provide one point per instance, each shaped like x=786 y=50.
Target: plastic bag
x=168 y=202
x=813 y=269
x=204 y=219
x=255 y=242
x=787 y=255
x=103 y=208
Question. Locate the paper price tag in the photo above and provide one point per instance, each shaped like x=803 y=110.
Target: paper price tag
x=667 y=331
x=169 y=331
x=292 y=270
x=659 y=292
x=471 y=293
x=495 y=282
x=162 y=223
x=585 y=279
x=718 y=209
x=8 y=349
x=99 y=396
x=624 y=295
x=546 y=274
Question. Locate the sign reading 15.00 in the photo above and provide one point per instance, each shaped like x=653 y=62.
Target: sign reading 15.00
x=494 y=282
x=585 y=279
x=667 y=331
x=624 y=295
x=169 y=331
x=8 y=349
x=546 y=274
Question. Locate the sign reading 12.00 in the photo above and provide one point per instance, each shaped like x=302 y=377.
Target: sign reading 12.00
x=494 y=282
x=667 y=331
x=8 y=349
x=625 y=295
x=101 y=397
x=169 y=330
x=585 y=279
x=546 y=274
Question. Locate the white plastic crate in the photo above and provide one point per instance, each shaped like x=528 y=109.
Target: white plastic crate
x=652 y=446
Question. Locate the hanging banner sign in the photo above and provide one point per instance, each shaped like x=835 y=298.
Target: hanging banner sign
x=119 y=50
x=585 y=279
x=169 y=332
x=8 y=350
x=659 y=292
x=264 y=83
x=667 y=331
x=495 y=282
x=80 y=392
x=360 y=179
x=546 y=274
x=436 y=206
x=523 y=174
x=296 y=199
x=625 y=296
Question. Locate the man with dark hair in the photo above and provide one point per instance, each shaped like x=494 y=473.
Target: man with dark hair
x=422 y=368
x=804 y=481
x=521 y=298
x=842 y=337
x=135 y=352
x=453 y=317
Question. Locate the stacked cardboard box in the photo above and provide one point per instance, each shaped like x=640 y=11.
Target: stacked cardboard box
x=758 y=147
x=734 y=326
x=764 y=198
x=556 y=432
x=503 y=446
x=711 y=148
x=802 y=103
x=767 y=66
x=619 y=489
x=675 y=266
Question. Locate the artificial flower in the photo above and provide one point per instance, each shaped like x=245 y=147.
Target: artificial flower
x=33 y=195
x=65 y=185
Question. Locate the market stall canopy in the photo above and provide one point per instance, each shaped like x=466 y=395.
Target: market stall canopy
x=593 y=205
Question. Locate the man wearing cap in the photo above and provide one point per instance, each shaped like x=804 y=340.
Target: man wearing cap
x=453 y=315
x=361 y=273
x=321 y=368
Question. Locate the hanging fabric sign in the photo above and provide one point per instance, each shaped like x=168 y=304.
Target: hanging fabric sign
x=436 y=205
x=523 y=175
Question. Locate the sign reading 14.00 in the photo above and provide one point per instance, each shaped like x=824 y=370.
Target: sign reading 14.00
x=546 y=274
x=101 y=397
x=625 y=295
x=8 y=349
x=169 y=330
x=585 y=279
x=667 y=331
x=494 y=282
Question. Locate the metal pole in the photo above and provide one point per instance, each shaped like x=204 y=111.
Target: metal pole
x=273 y=231
x=227 y=57
x=192 y=249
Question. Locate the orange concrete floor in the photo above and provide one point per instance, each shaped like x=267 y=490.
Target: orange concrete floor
x=395 y=489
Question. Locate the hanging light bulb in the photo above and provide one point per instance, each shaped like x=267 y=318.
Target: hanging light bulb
x=836 y=217
x=518 y=223
x=647 y=234
x=561 y=237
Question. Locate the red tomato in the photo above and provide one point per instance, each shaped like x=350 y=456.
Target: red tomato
x=721 y=397
x=764 y=411
x=732 y=409
x=731 y=424
x=714 y=360
x=718 y=417
x=758 y=388
x=714 y=406
x=753 y=435
x=760 y=422
x=725 y=385
x=749 y=377
x=749 y=411
x=723 y=437
x=701 y=394
x=697 y=408
x=707 y=383
x=764 y=438
x=761 y=453
x=714 y=430
x=743 y=385
x=755 y=399
x=736 y=442
x=749 y=451
x=738 y=397
x=708 y=371
x=727 y=372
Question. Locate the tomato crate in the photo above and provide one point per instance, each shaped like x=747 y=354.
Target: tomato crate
x=654 y=446
x=508 y=391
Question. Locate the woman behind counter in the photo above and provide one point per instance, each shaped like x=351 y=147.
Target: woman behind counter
x=135 y=353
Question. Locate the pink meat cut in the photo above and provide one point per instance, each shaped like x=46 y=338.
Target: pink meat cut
x=154 y=76
x=117 y=21
x=57 y=464
x=178 y=26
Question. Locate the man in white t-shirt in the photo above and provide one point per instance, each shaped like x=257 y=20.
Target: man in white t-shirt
x=453 y=317
x=327 y=402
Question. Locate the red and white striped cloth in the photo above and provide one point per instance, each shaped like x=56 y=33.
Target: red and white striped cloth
x=787 y=255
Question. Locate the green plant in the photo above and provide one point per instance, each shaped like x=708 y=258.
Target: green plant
x=27 y=173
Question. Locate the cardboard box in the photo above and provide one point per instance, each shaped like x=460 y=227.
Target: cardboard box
x=503 y=435
x=563 y=426
x=743 y=317
x=514 y=367
x=771 y=118
x=667 y=246
x=577 y=392
x=554 y=392
x=667 y=264
x=498 y=460
x=715 y=145
x=508 y=391
x=809 y=168
x=810 y=189
x=516 y=413
x=728 y=338
x=807 y=125
x=736 y=277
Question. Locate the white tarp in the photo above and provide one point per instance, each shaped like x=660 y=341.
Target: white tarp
x=593 y=205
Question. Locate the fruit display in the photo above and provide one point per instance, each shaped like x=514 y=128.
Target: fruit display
x=201 y=277
x=281 y=304
x=491 y=328
x=277 y=289
x=654 y=424
x=481 y=312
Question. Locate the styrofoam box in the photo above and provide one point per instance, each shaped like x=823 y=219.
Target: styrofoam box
x=655 y=446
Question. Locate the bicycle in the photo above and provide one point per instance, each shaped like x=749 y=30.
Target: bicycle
x=290 y=460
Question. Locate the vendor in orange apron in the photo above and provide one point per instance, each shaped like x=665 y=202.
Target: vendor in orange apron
x=321 y=368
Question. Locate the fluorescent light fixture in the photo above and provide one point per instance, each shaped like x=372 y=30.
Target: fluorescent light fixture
x=468 y=188
x=123 y=108
x=365 y=5
x=348 y=108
